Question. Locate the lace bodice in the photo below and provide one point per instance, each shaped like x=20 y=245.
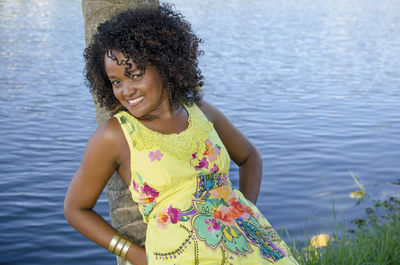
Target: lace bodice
x=178 y=145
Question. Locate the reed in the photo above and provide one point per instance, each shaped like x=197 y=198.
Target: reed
x=375 y=240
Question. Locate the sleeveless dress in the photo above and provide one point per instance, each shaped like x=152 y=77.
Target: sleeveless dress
x=194 y=216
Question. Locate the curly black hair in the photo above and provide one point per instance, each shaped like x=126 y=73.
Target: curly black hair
x=157 y=36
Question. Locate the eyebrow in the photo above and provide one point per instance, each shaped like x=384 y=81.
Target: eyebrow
x=137 y=68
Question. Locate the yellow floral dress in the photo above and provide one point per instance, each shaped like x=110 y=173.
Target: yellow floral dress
x=194 y=216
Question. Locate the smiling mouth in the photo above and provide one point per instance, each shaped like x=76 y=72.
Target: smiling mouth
x=135 y=101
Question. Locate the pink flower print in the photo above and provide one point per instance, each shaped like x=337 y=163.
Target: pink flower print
x=215 y=169
x=202 y=164
x=149 y=191
x=162 y=219
x=212 y=225
x=208 y=143
x=155 y=155
x=211 y=152
x=174 y=214
x=135 y=186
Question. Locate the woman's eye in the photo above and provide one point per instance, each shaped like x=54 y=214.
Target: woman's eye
x=115 y=82
x=136 y=76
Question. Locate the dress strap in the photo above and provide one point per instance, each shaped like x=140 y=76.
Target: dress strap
x=127 y=127
x=196 y=111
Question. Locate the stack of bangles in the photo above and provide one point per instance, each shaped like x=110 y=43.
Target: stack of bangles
x=122 y=247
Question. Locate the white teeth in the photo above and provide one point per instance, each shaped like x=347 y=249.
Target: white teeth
x=133 y=101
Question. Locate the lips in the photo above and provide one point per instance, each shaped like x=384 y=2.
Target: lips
x=135 y=101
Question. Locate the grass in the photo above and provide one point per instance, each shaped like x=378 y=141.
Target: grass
x=375 y=240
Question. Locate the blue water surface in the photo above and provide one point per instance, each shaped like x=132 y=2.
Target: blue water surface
x=313 y=84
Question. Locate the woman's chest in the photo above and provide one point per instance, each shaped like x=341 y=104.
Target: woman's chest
x=172 y=163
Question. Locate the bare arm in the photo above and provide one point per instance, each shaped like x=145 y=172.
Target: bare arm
x=242 y=152
x=100 y=159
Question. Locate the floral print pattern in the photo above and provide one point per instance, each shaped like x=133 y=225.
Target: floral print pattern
x=162 y=219
x=215 y=169
x=219 y=218
x=212 y=151
x=155 y=155
x=147 y=195
x=206 y=183
x=135 y=186
x=174 y=214
x=212 y=225
x=210 y=155
x=166 y=216
x=227 y=235
x=149 y=191
x=202 y=164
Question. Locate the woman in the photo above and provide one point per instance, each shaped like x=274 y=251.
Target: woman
x=171 y=148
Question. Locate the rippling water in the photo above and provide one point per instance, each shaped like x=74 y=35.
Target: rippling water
x=313 y=84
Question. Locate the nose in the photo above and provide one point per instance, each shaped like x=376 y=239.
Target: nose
x=129 y=89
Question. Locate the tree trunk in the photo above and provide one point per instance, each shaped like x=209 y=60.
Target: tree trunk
x=124 y=213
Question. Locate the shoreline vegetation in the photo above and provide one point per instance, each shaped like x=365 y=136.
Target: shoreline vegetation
x=374 y=240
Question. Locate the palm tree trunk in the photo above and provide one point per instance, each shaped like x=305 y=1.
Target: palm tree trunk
x=124 y=213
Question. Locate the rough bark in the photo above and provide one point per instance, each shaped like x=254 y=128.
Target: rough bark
x=124 y=213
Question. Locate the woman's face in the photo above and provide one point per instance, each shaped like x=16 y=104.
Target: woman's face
x=141 y=93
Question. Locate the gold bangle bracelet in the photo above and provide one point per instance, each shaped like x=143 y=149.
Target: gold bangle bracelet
x=126 y=248
x=119 y=247
x=113 y=242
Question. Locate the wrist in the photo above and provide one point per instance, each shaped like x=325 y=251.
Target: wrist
x=136 y=254
x=120 y=245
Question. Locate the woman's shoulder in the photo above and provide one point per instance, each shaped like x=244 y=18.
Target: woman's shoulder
x=212 y=113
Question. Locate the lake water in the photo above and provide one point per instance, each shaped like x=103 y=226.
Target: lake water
x=315 y=85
